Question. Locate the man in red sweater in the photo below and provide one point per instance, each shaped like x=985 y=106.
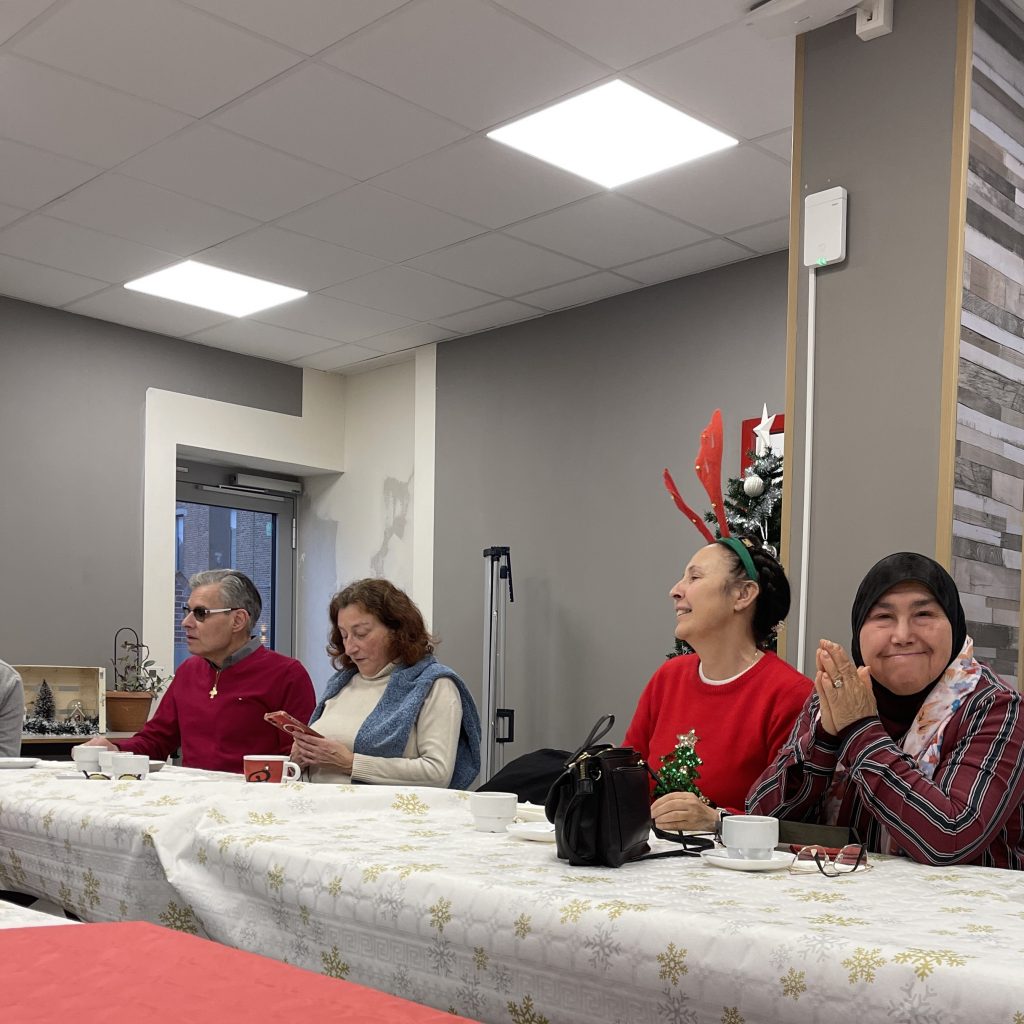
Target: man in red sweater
x=215 y=705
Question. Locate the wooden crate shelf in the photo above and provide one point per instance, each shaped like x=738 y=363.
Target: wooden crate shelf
x=69 y=683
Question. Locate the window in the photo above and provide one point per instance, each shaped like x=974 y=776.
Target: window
x=218 y=527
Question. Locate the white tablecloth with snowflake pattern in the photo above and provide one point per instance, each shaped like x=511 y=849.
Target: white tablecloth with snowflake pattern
x=392 y=887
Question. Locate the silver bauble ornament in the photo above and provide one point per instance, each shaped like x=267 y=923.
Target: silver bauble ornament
x=753 y=486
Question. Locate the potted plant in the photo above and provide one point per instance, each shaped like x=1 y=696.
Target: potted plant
x=137 y=680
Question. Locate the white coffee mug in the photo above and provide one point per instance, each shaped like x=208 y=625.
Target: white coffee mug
x=750 y=836
x=492 y=812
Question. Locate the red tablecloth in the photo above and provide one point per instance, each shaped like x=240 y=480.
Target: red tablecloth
x=142 y=974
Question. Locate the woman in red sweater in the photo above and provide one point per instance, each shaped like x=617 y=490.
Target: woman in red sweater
x=737 y=696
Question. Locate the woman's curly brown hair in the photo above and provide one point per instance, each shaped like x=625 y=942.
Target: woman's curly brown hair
x=410 y=641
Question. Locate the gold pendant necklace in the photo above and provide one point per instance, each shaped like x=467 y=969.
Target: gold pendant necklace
x=213 y=692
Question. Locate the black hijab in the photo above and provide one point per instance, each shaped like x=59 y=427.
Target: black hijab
x=897 y=712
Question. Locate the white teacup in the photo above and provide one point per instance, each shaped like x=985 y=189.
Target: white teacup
x=492 y=812
x=87 y=759
x=750 y=836
x=107 y=761
x=129 y=766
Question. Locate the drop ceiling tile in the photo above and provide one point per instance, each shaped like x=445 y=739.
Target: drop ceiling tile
x=30 y=177
x=161 y=51
x=486 y=182
x=606 y=230
x=262 y=340
x=220 y=168
x=330 y=318
x=379 y=223
x=306 y=25
x=75 y=118
x=723 y=192
x=147 y=312
x=9 y=214
x=486 y=317
x=781 y=144
x=620 y=33
x=702 y=256
x=291 y=259
x=765 y=238
x=583 y=290
x=735 y=79
x=43 y=285
x=473 y=63
x=407 y=337
x=410 y=293
x=502 y=265
x=336 y=358
x=16 y=14
x=329 y=117
x=134 y=209
x=79 y=250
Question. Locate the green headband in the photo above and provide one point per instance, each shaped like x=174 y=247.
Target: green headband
x=742 y=554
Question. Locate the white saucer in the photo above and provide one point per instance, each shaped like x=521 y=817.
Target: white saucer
x=537 y=831
x=155 y=766
x=18 y=762
x=720 y=859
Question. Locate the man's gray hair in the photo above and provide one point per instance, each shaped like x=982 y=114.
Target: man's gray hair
x=236 y=589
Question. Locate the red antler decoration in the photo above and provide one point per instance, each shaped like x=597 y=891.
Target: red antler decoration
x=709 y=472
x=685 y=509
x=709 y=468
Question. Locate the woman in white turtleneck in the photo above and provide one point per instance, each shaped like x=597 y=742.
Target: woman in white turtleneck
x=391 y=714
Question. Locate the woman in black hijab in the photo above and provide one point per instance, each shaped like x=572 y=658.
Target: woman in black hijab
x=913 y=742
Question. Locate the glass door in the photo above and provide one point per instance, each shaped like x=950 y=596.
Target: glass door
x=221 y=528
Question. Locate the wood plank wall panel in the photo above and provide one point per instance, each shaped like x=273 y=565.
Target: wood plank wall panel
x=989 y=479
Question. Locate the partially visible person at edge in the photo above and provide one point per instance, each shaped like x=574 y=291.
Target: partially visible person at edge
x=12 y=711
x=392 y=714
x=914 y=743
x=215 y=704
x=740 y=699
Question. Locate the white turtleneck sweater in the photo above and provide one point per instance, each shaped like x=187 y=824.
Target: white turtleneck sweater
x=429 y=755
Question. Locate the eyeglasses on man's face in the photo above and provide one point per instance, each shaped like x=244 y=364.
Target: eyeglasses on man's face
x=199 y=613
x=829 y=861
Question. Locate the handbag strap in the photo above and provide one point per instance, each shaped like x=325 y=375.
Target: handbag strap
x=601 y=728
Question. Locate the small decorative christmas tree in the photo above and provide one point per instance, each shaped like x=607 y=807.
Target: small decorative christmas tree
x=679 y=771
x=44 y=707
x=753 y=502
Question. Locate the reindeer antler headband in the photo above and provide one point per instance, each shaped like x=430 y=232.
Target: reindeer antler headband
x=709 y=471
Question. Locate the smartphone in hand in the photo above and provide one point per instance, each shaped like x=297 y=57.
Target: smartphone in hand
x=290 y=724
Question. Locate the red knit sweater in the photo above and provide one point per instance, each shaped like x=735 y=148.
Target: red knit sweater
x=217 y=733
x=739 y=725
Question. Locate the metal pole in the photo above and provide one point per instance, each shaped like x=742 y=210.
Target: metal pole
x=494 y=716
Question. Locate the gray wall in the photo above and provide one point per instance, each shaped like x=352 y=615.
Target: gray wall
x=877 y=119
x=72 y=420
x=551 y=438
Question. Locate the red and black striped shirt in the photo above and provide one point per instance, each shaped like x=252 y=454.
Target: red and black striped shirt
x=970 y=812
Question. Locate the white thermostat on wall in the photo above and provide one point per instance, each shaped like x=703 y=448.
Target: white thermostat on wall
x=825 y=227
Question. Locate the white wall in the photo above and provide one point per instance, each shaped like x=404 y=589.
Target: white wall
x=377 y=518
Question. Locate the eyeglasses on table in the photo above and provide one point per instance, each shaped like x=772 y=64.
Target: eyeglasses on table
x=829 y=861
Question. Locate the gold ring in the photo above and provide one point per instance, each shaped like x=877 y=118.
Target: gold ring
x=837 y=683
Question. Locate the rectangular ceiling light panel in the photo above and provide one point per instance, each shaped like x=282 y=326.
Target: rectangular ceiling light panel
x=223 y=291
x=612 y=134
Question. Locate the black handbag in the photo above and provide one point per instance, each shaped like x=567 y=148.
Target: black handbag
x=601 y=806
x=529 y=776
